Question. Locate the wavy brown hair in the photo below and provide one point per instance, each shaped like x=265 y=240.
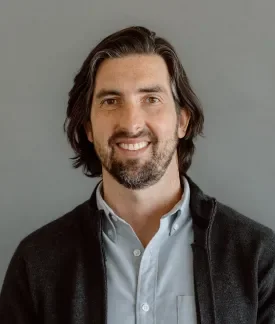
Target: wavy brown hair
x=131 y=40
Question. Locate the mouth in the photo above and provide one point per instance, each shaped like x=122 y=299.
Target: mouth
x=133 y=149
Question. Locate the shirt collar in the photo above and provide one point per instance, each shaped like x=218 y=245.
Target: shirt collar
x=171 y=222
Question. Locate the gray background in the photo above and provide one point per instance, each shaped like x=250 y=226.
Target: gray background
x=228 y=51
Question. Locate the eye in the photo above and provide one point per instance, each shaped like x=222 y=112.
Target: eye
x=153 y=100
x=109 y=101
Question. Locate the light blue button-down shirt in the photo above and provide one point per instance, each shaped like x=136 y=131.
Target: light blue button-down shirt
x=154 y=285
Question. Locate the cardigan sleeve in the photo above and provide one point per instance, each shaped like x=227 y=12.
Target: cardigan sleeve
x=266 y=281
x=16 y=305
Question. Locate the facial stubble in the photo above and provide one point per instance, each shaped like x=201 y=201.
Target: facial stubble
x=138 y=173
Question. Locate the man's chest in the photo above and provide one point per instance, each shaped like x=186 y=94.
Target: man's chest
x=154 y=284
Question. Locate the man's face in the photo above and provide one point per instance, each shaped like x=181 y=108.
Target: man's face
x=134 y=125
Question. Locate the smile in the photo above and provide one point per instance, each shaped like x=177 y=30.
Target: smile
x=133 y=147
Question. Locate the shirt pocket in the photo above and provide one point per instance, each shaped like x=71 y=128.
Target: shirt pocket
x=186 y=310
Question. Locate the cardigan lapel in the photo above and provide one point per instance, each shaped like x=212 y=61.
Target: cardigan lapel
x=203 y=210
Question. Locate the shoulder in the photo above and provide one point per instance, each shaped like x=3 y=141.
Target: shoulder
x=55 y=236
x=231 y=218
x=242 y=229
x=42 y=257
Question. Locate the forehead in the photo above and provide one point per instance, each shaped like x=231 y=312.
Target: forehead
x=131 y=72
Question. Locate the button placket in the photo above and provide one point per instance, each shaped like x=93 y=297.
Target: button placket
x=146 y=285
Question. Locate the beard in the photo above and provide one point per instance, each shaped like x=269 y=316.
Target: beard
x=133 y=173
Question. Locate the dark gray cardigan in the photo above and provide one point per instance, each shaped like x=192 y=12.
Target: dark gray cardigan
x=57 y=274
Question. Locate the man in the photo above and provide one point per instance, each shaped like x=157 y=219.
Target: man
x=148 y=246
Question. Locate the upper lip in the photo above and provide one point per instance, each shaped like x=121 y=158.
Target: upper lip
x=131 y=141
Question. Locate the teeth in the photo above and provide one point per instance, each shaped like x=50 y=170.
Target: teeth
x=133 y=147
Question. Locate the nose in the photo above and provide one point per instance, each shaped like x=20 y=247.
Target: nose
x=132 y=118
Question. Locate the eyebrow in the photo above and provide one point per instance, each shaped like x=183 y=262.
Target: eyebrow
x=112 y=92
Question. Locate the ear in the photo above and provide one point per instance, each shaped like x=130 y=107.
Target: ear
x=184 y=118
x=88 y=130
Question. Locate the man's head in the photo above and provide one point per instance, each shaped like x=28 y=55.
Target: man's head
x=132 y=92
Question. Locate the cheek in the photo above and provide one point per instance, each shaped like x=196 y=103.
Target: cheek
x=165 y=127
x=102 y=131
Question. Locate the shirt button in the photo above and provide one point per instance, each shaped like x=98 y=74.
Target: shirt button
x=175 y=227
x=110 y=233
x=145 y=307
x=137 y=253
x=114 y=218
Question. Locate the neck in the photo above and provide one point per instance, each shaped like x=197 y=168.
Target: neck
x=144 y=208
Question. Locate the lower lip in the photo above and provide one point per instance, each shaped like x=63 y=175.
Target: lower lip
x=132 y=152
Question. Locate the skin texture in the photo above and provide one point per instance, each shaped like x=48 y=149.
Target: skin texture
x=136 y=104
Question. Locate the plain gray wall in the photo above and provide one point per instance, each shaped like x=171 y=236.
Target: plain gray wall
x=228 y=51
